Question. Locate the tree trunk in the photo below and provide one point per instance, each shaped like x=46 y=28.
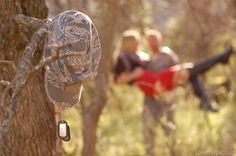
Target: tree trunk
x=33 y=131
x=91 y=113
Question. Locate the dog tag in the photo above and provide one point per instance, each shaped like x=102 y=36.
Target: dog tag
x=63 y=130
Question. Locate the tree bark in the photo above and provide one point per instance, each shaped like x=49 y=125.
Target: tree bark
x=33 y=131
x=91 y=113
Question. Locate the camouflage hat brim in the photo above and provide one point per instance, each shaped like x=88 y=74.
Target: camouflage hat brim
x=69 y=96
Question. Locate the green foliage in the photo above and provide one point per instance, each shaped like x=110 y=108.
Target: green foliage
x=120 y=131
x=120 y=124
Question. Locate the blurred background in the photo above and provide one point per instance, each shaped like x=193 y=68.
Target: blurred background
x=194 y=30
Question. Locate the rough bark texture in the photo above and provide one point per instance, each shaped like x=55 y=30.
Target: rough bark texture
x=92 y=112
x=33 y=130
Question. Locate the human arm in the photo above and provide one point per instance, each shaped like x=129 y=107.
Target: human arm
x=127 y=77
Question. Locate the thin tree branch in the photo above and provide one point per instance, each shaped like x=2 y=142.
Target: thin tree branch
x=30 y=49
x=46 y=62
x=30 y=21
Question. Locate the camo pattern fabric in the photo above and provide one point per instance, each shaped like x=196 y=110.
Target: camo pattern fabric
x=76 y=34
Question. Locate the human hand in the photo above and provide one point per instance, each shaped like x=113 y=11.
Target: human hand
x=137 y=72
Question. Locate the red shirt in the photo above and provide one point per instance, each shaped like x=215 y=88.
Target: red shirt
x=149 y=78
x=128 y=61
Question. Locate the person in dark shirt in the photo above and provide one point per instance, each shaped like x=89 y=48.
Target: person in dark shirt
x=129 y=59
x=128 y=62
x=132 y=70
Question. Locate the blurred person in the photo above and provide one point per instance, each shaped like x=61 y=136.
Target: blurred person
x=130 y=69
x=162 y=58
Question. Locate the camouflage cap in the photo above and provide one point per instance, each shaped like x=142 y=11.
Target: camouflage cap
x=76 y=34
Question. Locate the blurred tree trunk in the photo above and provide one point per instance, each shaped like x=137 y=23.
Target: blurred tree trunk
x=232 y=7
x=33 y=131
x=92 y=112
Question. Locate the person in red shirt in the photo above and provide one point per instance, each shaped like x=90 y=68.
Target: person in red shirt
x=132 y=70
